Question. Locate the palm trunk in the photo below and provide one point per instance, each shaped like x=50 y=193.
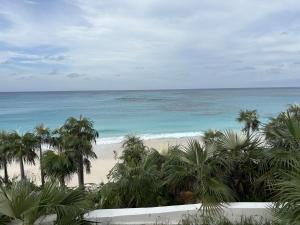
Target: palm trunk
x=80 y=172
x=42 y=171
x=22 y=168
x=5 y=172
x=62 y=182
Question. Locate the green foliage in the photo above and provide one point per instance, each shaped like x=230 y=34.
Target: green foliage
x=288 y=197
x=58 y=165
x=73 y=143
x=242 y=156
x=25 y=204
x=77 y=137
x=42 y=134
x=133 y=150
x=6 y=155
x=133 y=180
x=193 y=169
x=250 y=120
x=277 y=126
x=110 y=196
x=164 y=178
x=226 y=166
x=286 y=135
x=4 y=220
x=283 y=152
x=23 y=146
x=215 y=220
x=211 y=136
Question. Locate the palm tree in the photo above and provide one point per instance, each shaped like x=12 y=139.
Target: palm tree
x=193 y=169
x=59 y=139
x=58 y=165
x=5 y=153
x=27 y=205
x=241 y=156
x=42 y=133
x=250 y=120
x=210 y=136
x=133 y=150
x=132 y=185
x=284 y=134
x=135 y=181
x=233 y=143
x=132 y=141
x=283 y=154
x=294 y=111
x=277 y=124
x=79 y=135
x=288 y=197
x=23 y=147
x=110 y=196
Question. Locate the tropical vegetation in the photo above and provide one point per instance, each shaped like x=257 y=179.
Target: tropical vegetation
x=221 y=220
x=42 y=134
x=261 y=162
x=24 y=203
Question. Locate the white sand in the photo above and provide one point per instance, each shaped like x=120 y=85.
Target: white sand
x=100 y=166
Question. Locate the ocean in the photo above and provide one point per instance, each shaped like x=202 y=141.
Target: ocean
x=149 y=114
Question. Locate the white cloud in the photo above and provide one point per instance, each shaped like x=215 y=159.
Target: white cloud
x=209 y=40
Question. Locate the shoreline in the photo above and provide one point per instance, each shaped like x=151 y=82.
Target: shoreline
x=149 y=136
x=100 y=166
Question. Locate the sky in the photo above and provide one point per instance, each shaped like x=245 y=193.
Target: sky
x=148 y=44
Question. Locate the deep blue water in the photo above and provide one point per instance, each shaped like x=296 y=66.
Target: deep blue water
x=117 y=113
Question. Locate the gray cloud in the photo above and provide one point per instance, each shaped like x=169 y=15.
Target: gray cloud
x=30 y=2
x=3 y=62
x=55 y=57
x=53 y=72
x=75 y=75
x=245 y=68
x=274 y=70
x=25 y=77
x=129 y=44
x=27 y=58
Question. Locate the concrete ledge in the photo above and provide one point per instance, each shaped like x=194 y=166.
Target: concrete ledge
x=173 y=214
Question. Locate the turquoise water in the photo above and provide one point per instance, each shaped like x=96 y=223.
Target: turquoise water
x=147 y=113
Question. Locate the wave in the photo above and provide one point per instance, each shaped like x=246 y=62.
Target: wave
x=119 y=139
x=140 y=99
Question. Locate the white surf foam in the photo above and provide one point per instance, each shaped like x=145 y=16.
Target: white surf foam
x=119 y=139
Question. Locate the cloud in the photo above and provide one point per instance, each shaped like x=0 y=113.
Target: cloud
x=17 y=57
x=245 y=68
x=25 y=78
x=75 y=75
x=274 y=70
x=57 y=58
x=4 y=61
x=209 y=40
x=30 y=2
x=53 y=72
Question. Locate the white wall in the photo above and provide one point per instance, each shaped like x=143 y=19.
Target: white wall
x=173 y=214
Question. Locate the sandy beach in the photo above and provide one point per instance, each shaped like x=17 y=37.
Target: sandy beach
x=100 y=166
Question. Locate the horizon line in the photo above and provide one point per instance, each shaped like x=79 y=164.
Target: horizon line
x=165 y=89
